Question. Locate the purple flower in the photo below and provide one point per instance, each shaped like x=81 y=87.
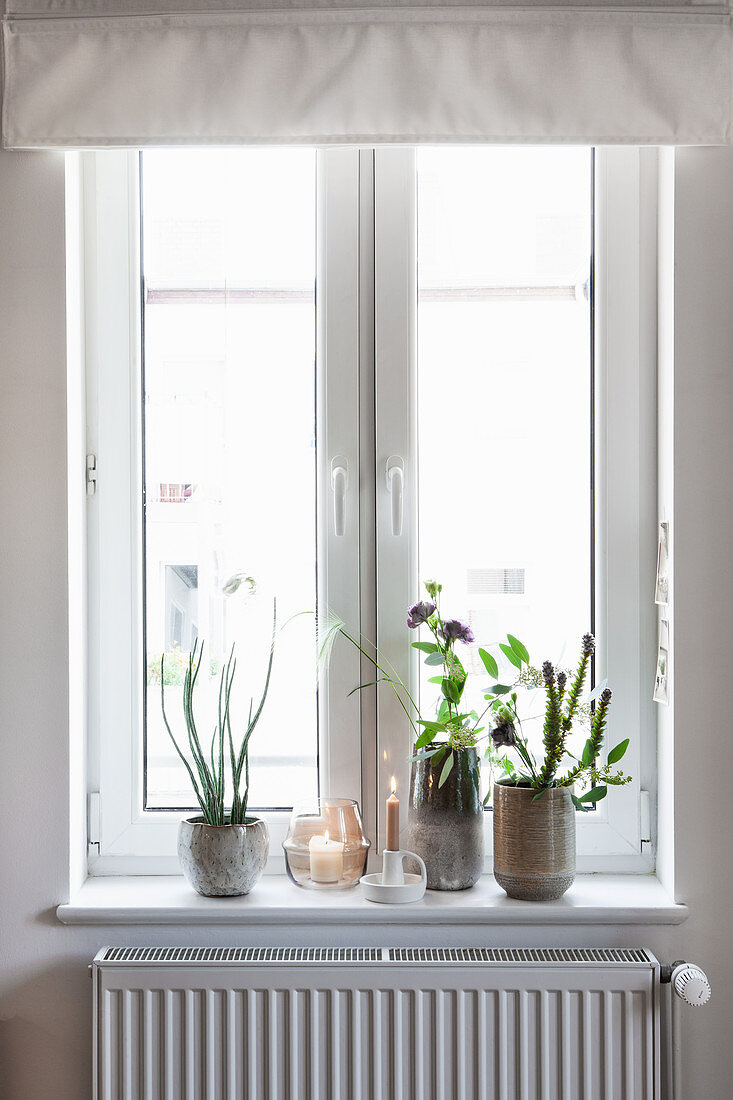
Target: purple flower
x=454 y=630
x=504 y=735
x=419 y=613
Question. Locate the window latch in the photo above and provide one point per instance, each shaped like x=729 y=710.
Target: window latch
x=396 y=486
x=91 y=475
x=339 y=485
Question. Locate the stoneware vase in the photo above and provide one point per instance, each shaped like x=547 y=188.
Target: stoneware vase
x=446 y=824
x=223 y=861
x=534 y=842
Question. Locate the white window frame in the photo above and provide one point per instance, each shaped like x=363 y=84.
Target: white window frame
x=608 y=839
x=367 y=312
x=129 y=840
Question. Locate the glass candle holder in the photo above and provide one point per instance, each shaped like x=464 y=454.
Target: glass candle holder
x=326 y=848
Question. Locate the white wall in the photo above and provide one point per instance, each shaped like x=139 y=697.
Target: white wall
x=703 y=595
x=45 y=1012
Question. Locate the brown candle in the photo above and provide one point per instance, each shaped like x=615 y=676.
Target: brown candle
x=393 y=819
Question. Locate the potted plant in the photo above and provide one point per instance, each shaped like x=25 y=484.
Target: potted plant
x=223 y=850
x=535 y=802
x=445 y=825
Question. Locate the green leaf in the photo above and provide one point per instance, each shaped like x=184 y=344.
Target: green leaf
x=439 y=754
x=499 y=689
x=521 y=650
x=578 y=804
x=425 y=647
x=595 y=794
x=424 y=739
x=489 y=664
x=436 y=727
x=424 y=754
x=455 y=667
x=587 y=756
x=597 y=691
x=539 y=794
x=434 y=658
x=443 y=710
x=487 y=796
x=435 y=679
x=371 y=684
x=615 y=754
x=447 y=768
x=510 y=655
x=450 y=690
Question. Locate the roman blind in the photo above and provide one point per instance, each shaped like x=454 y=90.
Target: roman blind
x=158 y=72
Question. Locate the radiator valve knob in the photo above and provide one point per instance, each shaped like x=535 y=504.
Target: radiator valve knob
x=690 y=983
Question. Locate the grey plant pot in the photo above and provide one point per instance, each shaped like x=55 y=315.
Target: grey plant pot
x=222 y=861
x=446 y=824
x=534 y=842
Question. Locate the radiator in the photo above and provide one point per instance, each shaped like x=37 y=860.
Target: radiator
x=376 y=1024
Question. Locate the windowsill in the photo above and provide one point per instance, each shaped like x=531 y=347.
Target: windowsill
x=593 y=899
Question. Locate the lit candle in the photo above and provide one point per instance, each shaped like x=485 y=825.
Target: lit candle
x=327 y=858
x=393 y=820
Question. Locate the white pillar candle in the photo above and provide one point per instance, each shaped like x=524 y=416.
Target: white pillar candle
x=327 y=858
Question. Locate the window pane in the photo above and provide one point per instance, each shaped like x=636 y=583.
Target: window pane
x=229 y=462
x=504 y=394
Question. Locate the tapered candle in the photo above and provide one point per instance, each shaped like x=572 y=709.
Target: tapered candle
x=393 y=819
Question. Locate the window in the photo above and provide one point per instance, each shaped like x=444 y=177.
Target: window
x=504 y=371
x=256 y=319
x=228 y=404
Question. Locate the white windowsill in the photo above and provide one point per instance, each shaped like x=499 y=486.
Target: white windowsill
x=593 y=899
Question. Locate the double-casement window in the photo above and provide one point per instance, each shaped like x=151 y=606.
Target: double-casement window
x=322 y=377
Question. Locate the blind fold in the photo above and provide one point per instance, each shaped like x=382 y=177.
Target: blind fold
x=439 y=74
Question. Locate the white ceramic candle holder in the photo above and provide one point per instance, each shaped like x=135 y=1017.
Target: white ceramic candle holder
x=393 y=885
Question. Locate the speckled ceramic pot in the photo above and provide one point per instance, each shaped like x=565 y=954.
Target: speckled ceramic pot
x=222 y=861
x=446 y=824
x=534 y=842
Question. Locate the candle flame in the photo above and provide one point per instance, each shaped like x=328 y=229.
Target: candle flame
x=326 y=836
x=393 y=784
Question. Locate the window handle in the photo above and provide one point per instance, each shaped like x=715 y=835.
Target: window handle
x=339 y=485
x=396 y=486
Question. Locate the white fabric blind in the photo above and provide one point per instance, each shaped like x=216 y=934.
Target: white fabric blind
x=79 y=75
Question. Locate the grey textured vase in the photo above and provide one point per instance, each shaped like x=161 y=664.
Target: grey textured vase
x=534 y=842
x=446 y=824
x=223 y=861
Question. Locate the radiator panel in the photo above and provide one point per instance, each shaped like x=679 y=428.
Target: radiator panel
x=377 y=1030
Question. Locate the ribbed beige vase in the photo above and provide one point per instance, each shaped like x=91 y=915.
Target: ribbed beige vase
x=534 y=842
